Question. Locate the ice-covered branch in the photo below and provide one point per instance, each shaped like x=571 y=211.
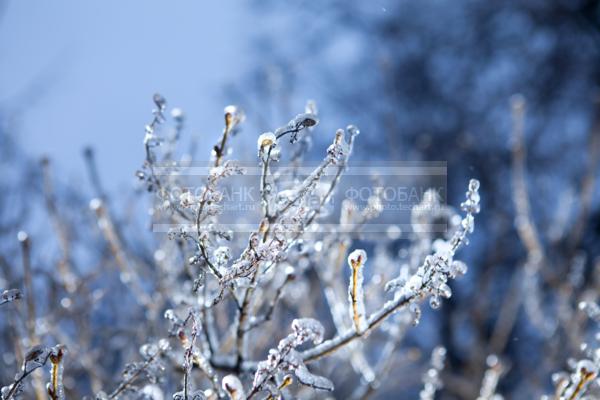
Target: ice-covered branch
x=55 y=387
x=356 y=295
x=35 y=358
x=430 y=279
x=286 y=359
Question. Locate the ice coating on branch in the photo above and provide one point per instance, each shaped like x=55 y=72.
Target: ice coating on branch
x=286 y=359
x=356 y=296
x=431 y=278
x=10 y=295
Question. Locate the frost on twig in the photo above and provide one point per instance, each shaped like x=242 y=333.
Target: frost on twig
x=298 y=123
x=432 y=277
x=10 y=295
x=356 y=295
x=431 y=379
x=285 y=358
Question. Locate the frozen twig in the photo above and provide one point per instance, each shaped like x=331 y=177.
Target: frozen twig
x=430 y=279
x=356 y=296
x=55 y=387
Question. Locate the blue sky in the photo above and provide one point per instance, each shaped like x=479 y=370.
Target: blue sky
x=99 y=63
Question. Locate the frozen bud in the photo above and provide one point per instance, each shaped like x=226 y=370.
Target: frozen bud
x=357 y=258
x=473 y=185
x=159 y=101
x=290 y=272
x=233 y=116
x=266 y=141
x=286 y=381
x=305 y=120
x=586 y=367
x=233 y=387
